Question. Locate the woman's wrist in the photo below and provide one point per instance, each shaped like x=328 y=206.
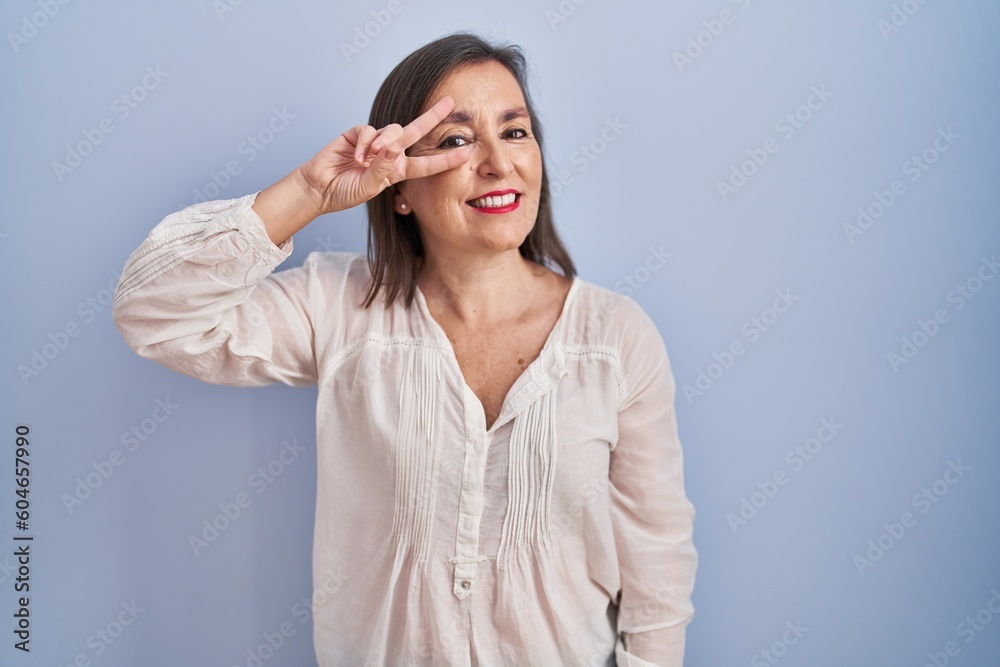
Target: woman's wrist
x=287 y=206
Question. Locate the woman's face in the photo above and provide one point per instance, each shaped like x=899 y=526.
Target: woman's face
x=490 y=120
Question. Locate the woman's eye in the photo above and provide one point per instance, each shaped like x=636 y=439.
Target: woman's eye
x=450 y=142
x=523 y=135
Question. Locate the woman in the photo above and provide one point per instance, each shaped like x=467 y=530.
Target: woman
x=499 y=474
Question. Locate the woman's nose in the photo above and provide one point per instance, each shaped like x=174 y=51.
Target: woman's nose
x=493 y=158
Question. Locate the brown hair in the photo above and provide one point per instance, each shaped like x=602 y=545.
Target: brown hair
x=394 y=244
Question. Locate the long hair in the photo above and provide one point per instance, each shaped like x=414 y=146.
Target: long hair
x=394 y=245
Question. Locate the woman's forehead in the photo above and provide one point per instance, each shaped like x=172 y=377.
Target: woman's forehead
x=479 y=88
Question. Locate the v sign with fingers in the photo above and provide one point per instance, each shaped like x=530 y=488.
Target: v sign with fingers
x=350 y=170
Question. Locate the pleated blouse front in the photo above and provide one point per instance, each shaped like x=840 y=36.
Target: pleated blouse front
x=546 y=539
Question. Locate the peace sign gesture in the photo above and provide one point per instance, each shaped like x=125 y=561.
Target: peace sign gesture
x=350 y=170
x=362 y=162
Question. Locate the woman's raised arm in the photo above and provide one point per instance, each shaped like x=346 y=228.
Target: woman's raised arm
x=350 y=170
x=201 y=295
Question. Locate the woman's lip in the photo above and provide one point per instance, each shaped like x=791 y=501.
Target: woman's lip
x=497 y=193
x=499 y=209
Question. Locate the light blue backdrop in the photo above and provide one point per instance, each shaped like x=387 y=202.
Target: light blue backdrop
x=837 y=374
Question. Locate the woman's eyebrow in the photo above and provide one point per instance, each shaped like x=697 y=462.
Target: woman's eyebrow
x=511 y=114
x=459 y=117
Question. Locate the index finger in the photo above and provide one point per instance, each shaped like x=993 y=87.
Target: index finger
x=427 y=121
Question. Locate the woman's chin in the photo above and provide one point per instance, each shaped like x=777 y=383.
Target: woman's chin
x=506 y=239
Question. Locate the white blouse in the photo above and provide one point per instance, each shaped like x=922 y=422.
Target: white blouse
x=561 y=535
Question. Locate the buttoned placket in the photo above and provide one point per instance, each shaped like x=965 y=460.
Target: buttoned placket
x=472 y=501
x=540 y=377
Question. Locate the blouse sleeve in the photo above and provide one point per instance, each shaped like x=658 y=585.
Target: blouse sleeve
x=652 y=517
x=199 y=297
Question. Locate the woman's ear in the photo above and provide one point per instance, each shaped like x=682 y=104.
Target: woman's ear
x=399 y=202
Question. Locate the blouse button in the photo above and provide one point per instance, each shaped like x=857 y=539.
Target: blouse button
x=466 y=583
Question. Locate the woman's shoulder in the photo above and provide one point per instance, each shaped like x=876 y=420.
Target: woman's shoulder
x=338 y=267
x=336 y=260
x=614 y=325
x=338 y=282
x=602 y=316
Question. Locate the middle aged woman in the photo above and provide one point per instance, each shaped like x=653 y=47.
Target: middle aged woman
x=499 y=473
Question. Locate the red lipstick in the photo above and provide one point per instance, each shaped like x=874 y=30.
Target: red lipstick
x=497 y=209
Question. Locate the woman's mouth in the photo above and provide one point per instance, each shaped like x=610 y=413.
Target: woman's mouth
x=497 y=203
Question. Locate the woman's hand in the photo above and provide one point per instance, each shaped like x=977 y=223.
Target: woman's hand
x=363 y=161
x=350 y=170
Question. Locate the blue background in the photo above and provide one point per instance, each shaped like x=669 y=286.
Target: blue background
x=683 y=127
